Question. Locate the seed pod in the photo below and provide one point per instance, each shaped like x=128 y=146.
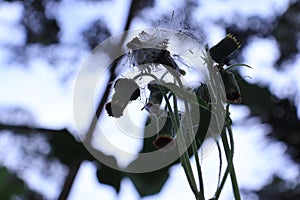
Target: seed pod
x=156 y=94
x=166 y=60
x=221 y=51
x=114 y=109
x=165 y=136
x=232 y=90
x=144 y=54
x=203 y=92
x=202 y=122
x=126 y=90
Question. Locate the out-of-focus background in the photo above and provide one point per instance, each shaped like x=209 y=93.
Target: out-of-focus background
x=42 y=46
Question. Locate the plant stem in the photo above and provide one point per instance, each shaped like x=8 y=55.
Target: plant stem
x=235 y=187
x=229 y=156
x=229 y=163
x=184 y=158
x=194 y=145
x=220 y=158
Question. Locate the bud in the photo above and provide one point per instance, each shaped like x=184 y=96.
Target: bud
x=127 y=87
x=203 y=92
x=126 y=90
x=232 y=90
x=166 y=59
x=145 y=53
x=165 y=136
x=156 y=94
x=221 y=51
x=114 y=110
x=203 y=120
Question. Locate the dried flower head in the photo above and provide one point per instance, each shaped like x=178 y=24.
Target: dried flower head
x=165 y=136
x=114 y=109
x=148 y=51
x=232 y=90
x=221 y=51
x=127 y=87
x=157 y=91
x=126 y=90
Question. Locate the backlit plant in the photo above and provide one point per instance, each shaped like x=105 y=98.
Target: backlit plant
x=171 y=104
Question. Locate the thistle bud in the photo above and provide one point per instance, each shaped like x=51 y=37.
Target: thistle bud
x=114 y=109
x=126 y=90
x=166 y=59
x=156 y=94
x=165 y=136
x=146 y=54
x=203 y=92
x=221 y=51
x=232 y=90
x=203 y=120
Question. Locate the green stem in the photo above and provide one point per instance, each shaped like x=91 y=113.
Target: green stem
x=144 y=74
x=176 y=108
x=184 y=158
x=235 y=186
x=229 y=156
x=194 y=146
x=195 y=151
x=220 y=158
x=239 y=64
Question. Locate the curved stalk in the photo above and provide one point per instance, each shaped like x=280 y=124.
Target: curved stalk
x=184 y=158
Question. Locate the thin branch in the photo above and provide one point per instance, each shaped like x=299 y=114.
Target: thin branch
x=72 y=174
x=70 y=179
x=220 y=165
x=28 y=130
x=112 y=76
x=235 y=186
x=24 y=129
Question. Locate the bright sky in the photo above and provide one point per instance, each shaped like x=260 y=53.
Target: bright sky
x=38 y=86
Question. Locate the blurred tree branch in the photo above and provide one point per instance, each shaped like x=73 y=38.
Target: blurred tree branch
x=74 y=169
x=23 y=129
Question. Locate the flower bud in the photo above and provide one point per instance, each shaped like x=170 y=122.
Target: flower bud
x=202 y=121
x=146 y=54
x=126 y=90
x=221 y=51
x=203 y=92
x=114 y=109
x=156 y=94
x=232 y=90
x=166 y=59
x=165 y=136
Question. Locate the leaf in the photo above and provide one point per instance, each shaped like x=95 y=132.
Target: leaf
x=10 y=184
x=262 y=104
x=66 y=148
x=110 y=176
x=151 y=182
x=38 y=26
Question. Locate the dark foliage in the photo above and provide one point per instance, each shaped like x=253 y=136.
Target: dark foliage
x=39 y=28
x=280 y=114
x=96 y=33
x=277 y=189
